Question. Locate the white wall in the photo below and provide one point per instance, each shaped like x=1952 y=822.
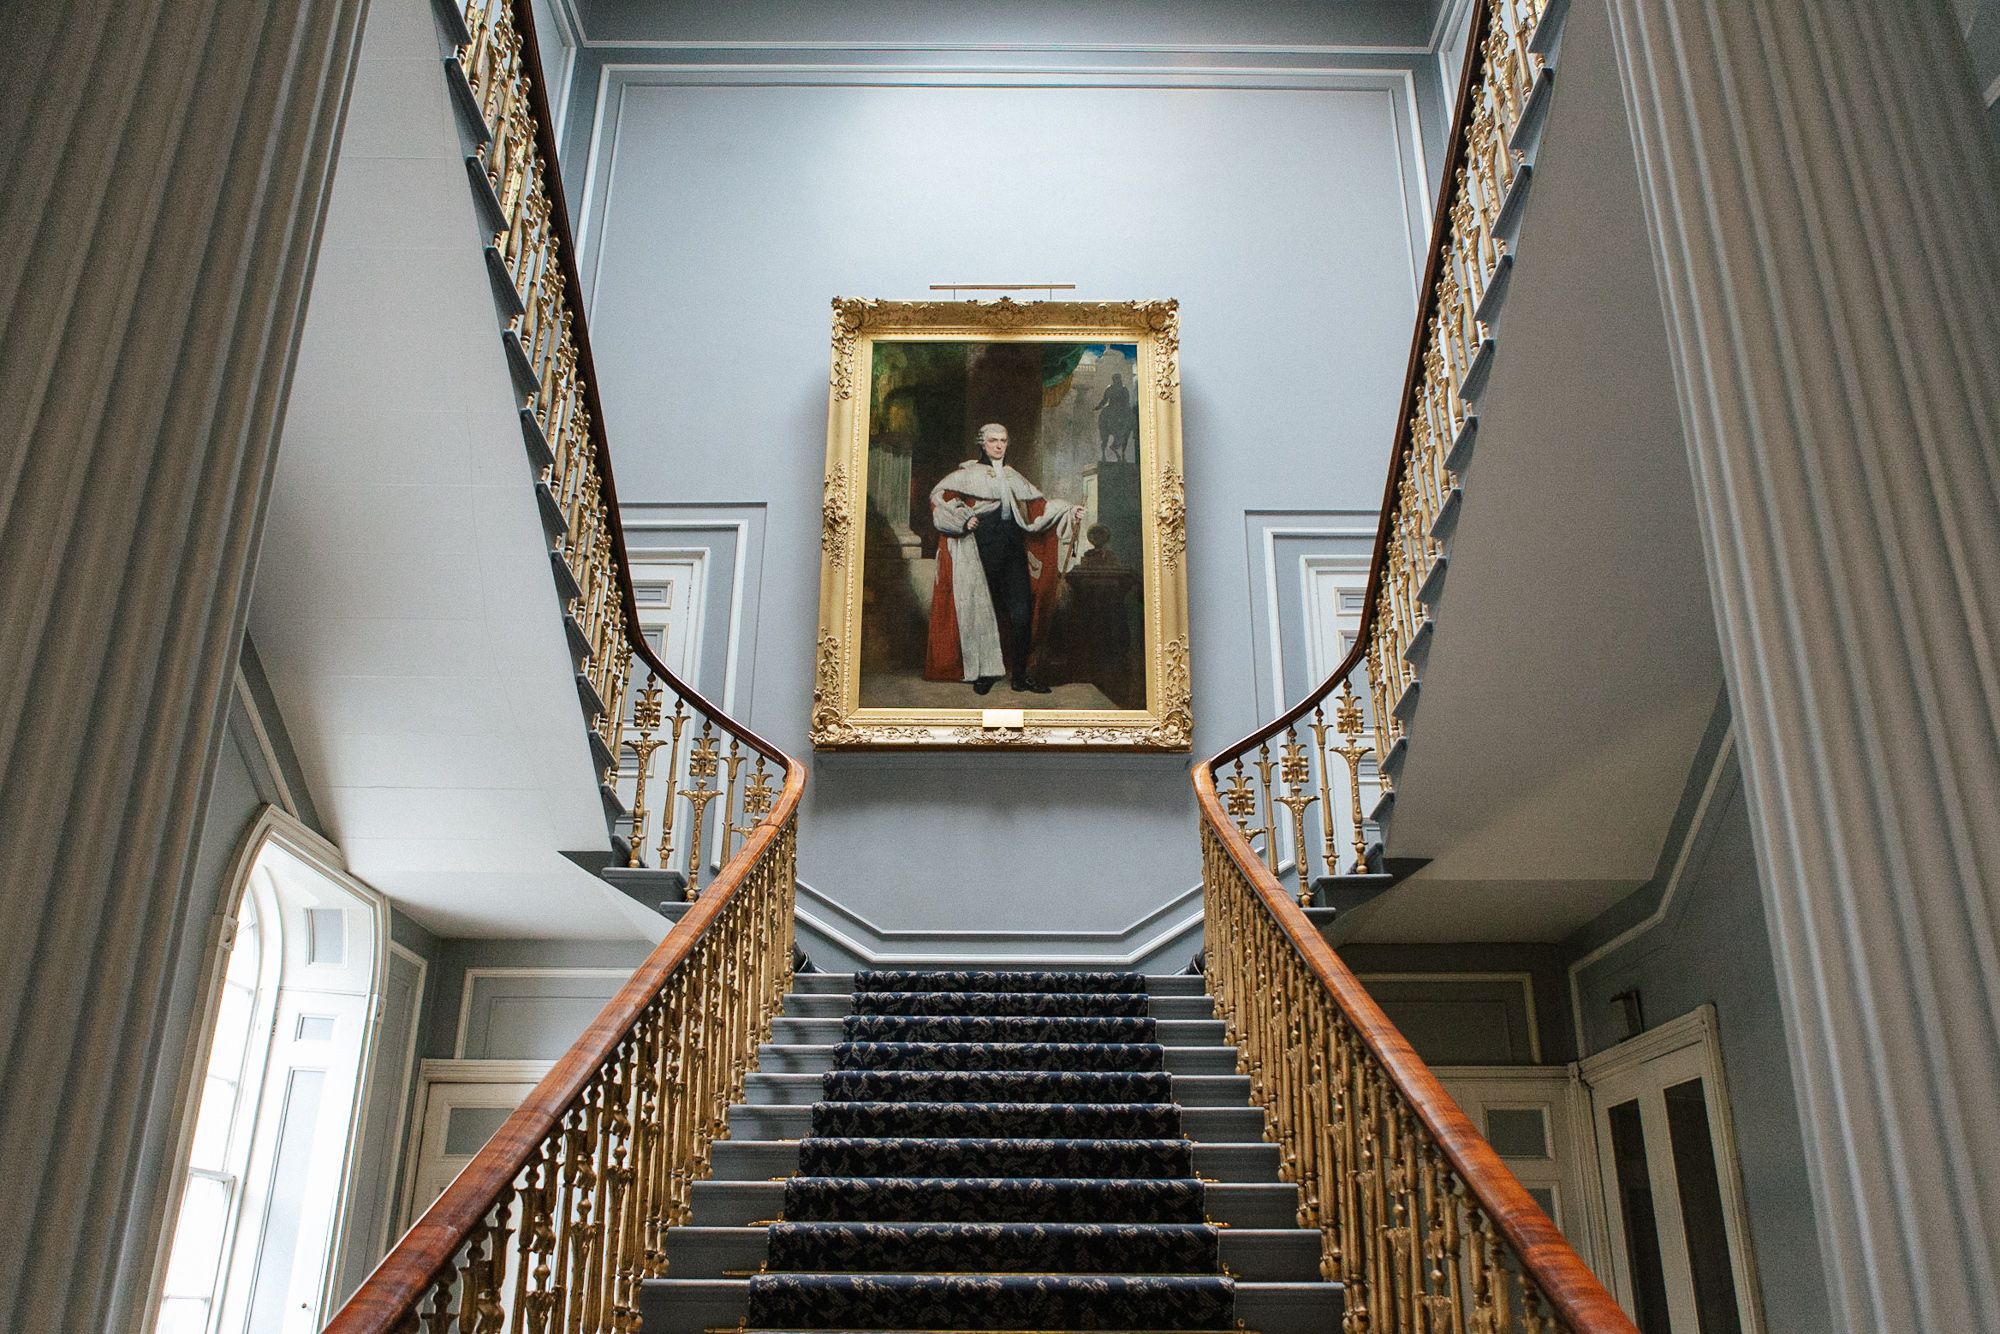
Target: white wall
x=727 y=205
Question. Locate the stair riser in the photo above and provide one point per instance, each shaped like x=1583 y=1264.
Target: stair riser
x=835 y=1006
x=744 y=1203
x=669 y=1306
x=1251 y=1255
x=1189 y=1090
x=1236 y=1125
x=738 y=1160
x=818 y=1059
x=842 y=984
x=1168 y=1033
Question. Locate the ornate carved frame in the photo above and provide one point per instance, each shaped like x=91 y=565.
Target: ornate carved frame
x=1166 y=723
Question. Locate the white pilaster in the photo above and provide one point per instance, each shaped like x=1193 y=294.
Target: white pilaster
x=161 y=191
x=1826 y=226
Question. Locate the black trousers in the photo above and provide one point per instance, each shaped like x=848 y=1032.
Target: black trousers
x=1003 y=553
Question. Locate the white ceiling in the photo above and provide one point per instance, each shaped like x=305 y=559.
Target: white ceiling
x=404 y=608
x=1574 y=665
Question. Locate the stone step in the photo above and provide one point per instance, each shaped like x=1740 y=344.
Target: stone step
x=765 y=1160
x=1157 y=984
x=801 y=1090
x=829 y=1005
x=1167 y=1032
x=1202 y=1124
x=691 y=1306
x=1231 y=1204
x=1258 y=1255
x=818 y=1058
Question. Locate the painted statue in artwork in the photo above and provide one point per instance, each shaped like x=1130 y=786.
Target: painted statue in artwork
x=1003 y=545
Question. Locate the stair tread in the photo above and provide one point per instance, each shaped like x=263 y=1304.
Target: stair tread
x=994 y=1146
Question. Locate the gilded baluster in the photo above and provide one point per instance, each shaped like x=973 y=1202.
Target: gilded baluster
x=702 y=766
x=1264 y=766
x=1323 y=765
x=1294 y=774
x=732 y=764
x=646 y=714
x=579 y=1232
x=626 y=1255
x=1239 y=800
x=668 y=808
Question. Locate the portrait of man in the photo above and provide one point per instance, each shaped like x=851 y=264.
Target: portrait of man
x=1002 y=525
x=1003 y=528
x=1003 y=547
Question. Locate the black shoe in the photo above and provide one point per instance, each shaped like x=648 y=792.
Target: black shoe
x=983 y=684
x=1029 y=686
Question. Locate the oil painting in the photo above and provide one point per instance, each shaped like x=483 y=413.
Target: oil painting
x=1004 y=527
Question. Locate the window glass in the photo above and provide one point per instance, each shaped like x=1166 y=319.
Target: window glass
x=1518 y=1132
x=195 y=1262
x=1642 y=1232
x=1700 y=1191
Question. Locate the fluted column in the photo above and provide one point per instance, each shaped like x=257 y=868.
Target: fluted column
x=161 y=191
x=1826 y=225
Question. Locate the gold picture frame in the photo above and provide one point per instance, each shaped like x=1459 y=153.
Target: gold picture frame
x=914 y=462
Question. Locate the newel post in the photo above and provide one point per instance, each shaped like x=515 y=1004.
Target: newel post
x=1825 y=218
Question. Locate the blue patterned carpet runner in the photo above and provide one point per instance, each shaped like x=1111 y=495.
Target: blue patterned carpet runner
x=995 y=1151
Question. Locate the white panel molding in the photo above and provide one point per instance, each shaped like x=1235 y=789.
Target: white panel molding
x=617 y=78
x=877 y=945
x=407 y=1086
x=1525 y=981
x=1017 y=49
x=473 y=975
x=1825 y=222
x=638 y=523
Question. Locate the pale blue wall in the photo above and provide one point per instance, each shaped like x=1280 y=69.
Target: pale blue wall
x=725 y=210
x=1713 y=948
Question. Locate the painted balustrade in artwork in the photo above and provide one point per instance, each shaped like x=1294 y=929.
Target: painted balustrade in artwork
x=1418 y=1217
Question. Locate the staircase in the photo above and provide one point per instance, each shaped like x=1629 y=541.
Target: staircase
x=994 y=1150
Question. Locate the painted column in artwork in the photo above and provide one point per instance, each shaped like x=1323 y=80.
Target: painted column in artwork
x=1825 y=213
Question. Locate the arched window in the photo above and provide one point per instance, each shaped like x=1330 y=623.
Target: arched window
x=272 y=1154
x=221 y=1138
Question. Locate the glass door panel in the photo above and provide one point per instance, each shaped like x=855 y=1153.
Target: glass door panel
x=1644 y=1271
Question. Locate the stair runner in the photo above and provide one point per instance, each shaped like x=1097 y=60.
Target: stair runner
x=994 y=1151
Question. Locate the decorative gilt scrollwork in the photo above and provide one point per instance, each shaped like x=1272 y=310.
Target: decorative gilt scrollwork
x=837 y=525
x=829 y=713
x=1171 y=514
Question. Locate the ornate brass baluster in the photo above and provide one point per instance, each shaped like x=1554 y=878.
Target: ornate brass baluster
x=702 y=765
x=1264 y=765
x=1294 y=773
x=732 y=763
x=646 y=718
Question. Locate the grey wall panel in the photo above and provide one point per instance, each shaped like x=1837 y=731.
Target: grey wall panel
x=1712 y=947
x=1282 y=212
x=527 y=999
